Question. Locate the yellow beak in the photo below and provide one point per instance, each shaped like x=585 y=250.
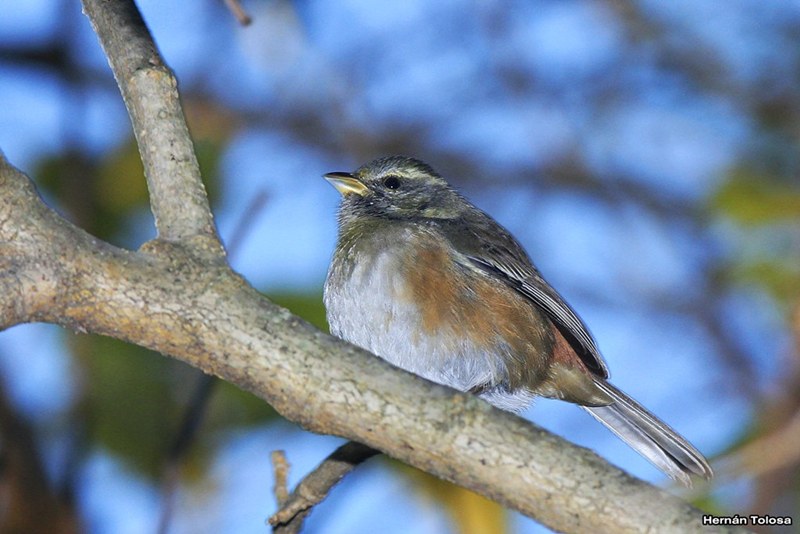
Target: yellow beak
x=346 y=183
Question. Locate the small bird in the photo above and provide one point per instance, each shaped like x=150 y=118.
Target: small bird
x=430 y=283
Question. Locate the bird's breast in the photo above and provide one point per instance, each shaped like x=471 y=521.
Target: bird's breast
x=406 y=299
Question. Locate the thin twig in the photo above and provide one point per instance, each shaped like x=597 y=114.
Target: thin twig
x=246 y=222
x=184 y=440
x=238 y=11
x=317 y=485
x=771 y=452
x=280 y=466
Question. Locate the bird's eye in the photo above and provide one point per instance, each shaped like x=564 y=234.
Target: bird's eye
x=391 y=182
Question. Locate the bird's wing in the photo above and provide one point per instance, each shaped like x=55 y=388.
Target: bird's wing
x=492 y=250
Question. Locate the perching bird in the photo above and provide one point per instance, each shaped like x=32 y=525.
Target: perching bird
x=432 y=284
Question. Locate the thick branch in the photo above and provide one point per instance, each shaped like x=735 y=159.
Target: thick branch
x=200 y=312
x=177 y=195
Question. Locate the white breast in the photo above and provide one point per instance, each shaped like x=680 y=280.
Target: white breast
x=368 y=310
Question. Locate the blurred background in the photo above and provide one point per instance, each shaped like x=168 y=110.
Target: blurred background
x=644 y=152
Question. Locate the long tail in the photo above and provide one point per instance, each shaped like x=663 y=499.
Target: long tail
x=649 y=436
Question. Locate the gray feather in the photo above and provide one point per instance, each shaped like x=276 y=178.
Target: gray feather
x=649 y=436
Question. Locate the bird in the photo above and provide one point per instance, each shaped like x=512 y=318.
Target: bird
x=427 y=281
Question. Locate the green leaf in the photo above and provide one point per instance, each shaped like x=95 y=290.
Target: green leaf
x=780 y=278
x=750 y=198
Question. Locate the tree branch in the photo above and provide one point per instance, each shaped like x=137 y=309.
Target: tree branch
x=177 y=195
x=314 y=488
x=238 y=11
x=280 y=471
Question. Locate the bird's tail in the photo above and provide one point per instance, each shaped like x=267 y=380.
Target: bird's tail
x=649 y=436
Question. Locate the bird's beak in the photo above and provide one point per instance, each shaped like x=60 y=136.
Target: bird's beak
x=346 y=183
